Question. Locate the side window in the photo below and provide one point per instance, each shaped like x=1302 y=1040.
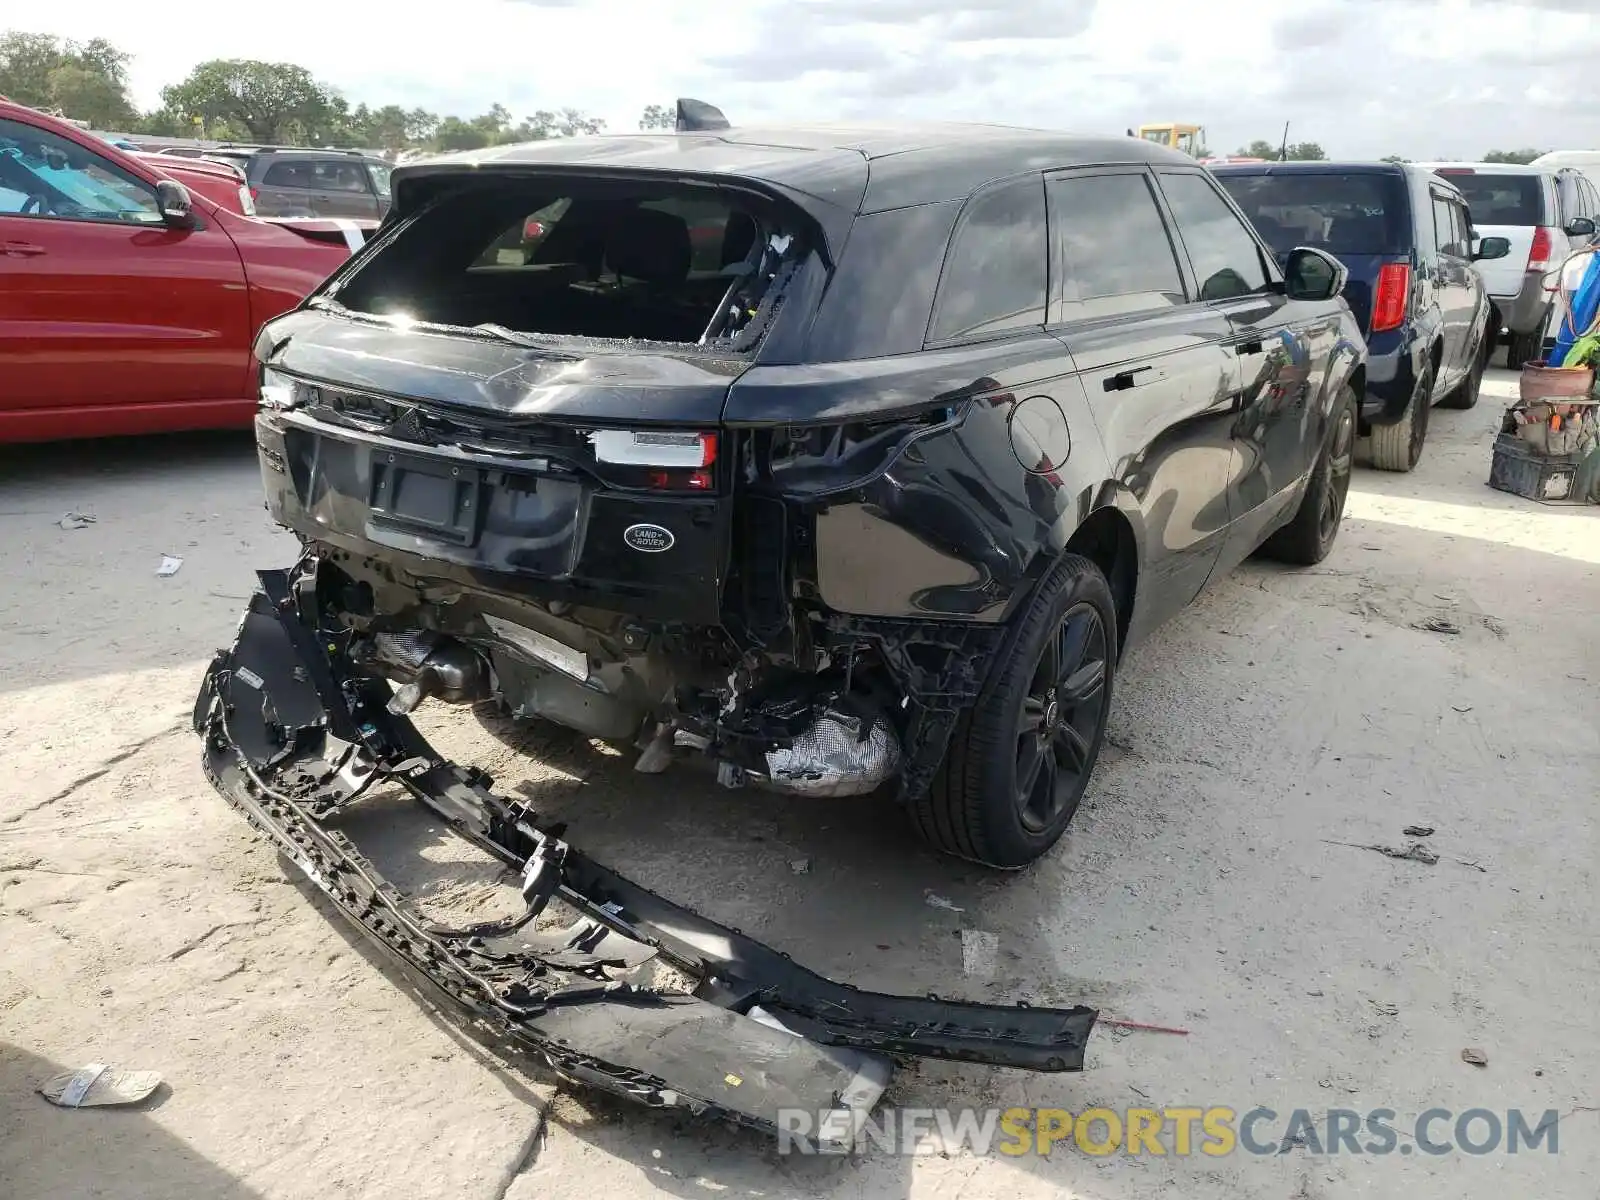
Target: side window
x=1112 y=247
x=289 y=175
x=43 y=175
x=1463 y=228
x=1227 y=260
x=1446 y=236
x=343 y=177
x=997 y=270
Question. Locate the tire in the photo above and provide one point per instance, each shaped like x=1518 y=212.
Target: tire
x=1465 y=393
x=1307 y=539
x=1397 y=447
x=1524 y=348
x=1045 y=702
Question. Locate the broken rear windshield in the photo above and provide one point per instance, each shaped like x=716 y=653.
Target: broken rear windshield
x=1340 y=212
x=677 y=264
x=1501 y=199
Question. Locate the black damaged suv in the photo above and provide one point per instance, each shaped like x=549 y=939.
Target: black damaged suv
x=842 y=456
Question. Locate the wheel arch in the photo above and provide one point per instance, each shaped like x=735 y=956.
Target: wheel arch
x=1109 y=536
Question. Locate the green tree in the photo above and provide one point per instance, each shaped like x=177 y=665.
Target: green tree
x=1520 y=157
x=271 y=102
x=85 y=94
x=1297 y=151
x=387 y=128
x=572 y=123
x=455 y=134
x=1394 y=158
x=87 y=81
x=658 y=116
x=1306 y=152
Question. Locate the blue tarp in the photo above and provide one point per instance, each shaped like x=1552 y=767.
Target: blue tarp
x=1581 y=314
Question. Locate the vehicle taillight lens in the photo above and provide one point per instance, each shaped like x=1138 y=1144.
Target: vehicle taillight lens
x=1539 y=252
x=654 y=448
x=532 y=230
x=1390 y=299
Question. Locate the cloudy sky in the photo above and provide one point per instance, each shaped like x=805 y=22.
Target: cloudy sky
x=1422 y=78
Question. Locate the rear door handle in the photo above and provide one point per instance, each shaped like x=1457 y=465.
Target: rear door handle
x=1123 y=380
x=21 y=249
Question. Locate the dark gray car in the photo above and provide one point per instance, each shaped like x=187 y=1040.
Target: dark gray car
x=290 y=182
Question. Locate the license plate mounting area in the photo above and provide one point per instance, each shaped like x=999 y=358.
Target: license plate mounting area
x=426 y=495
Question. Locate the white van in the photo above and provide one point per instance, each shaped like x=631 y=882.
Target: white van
x=1587 y=161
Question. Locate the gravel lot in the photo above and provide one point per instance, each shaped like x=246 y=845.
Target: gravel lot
x=1203 y=885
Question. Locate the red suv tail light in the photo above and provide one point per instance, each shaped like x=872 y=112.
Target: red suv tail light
x=1391 y=297
x=1539 y=252
x=678 y=460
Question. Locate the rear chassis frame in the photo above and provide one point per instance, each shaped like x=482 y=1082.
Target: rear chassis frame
x=294 y=733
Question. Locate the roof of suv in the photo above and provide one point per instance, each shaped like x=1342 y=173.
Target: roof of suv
x=1311 y=167
x=1483 y=168
x=877 y=166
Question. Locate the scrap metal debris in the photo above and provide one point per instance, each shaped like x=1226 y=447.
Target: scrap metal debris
x=800 y=866
x=937 y=901
x=1475 y=1056
x=1418 y=831
x=170 y=563
x=97 y=1085
x=1437 y=625
x=1415 y=852
x=1140 y=1025
x=76 y=520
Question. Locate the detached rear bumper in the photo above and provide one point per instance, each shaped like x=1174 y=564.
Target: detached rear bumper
x=292 y=735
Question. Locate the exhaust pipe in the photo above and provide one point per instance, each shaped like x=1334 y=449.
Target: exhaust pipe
x=426 y=665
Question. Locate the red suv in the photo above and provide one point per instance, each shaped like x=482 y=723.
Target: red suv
x=129 y=304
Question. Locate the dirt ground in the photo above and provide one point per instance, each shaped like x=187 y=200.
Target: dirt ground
x=1213 y=881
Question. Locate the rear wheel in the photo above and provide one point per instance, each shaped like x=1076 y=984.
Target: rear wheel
x=1397 y=447
x=1020 y=759
x=1307 y=539
x=1524 y=348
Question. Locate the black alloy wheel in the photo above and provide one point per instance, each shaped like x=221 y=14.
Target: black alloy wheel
x=1336 y=482
x=1062 y=713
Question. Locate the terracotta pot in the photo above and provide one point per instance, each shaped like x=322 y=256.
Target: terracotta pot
x=1540 y=382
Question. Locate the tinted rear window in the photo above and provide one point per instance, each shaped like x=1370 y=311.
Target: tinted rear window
x=1340 y=212
x=1501 y=199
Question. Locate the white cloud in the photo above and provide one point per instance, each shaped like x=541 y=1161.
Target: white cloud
x=1364 y=78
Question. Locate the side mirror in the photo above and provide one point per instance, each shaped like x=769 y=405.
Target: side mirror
x=1580 y=227
x=177 y=207
x=1311 y=274
x=1491 y=248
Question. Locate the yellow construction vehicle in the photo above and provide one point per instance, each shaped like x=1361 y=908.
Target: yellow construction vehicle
x=1191 y=139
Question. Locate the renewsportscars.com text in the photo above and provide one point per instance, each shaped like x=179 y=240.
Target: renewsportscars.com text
x=1214 y=1132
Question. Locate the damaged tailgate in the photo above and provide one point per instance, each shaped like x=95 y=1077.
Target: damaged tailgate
x=293 y=734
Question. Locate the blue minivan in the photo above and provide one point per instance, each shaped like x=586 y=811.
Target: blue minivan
x=1406 y=236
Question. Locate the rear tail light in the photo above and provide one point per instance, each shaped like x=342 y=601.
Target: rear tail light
x=1539 y=252
x=677 y=461
x=1391 y=297
x=654 y=448
x=532 y=230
